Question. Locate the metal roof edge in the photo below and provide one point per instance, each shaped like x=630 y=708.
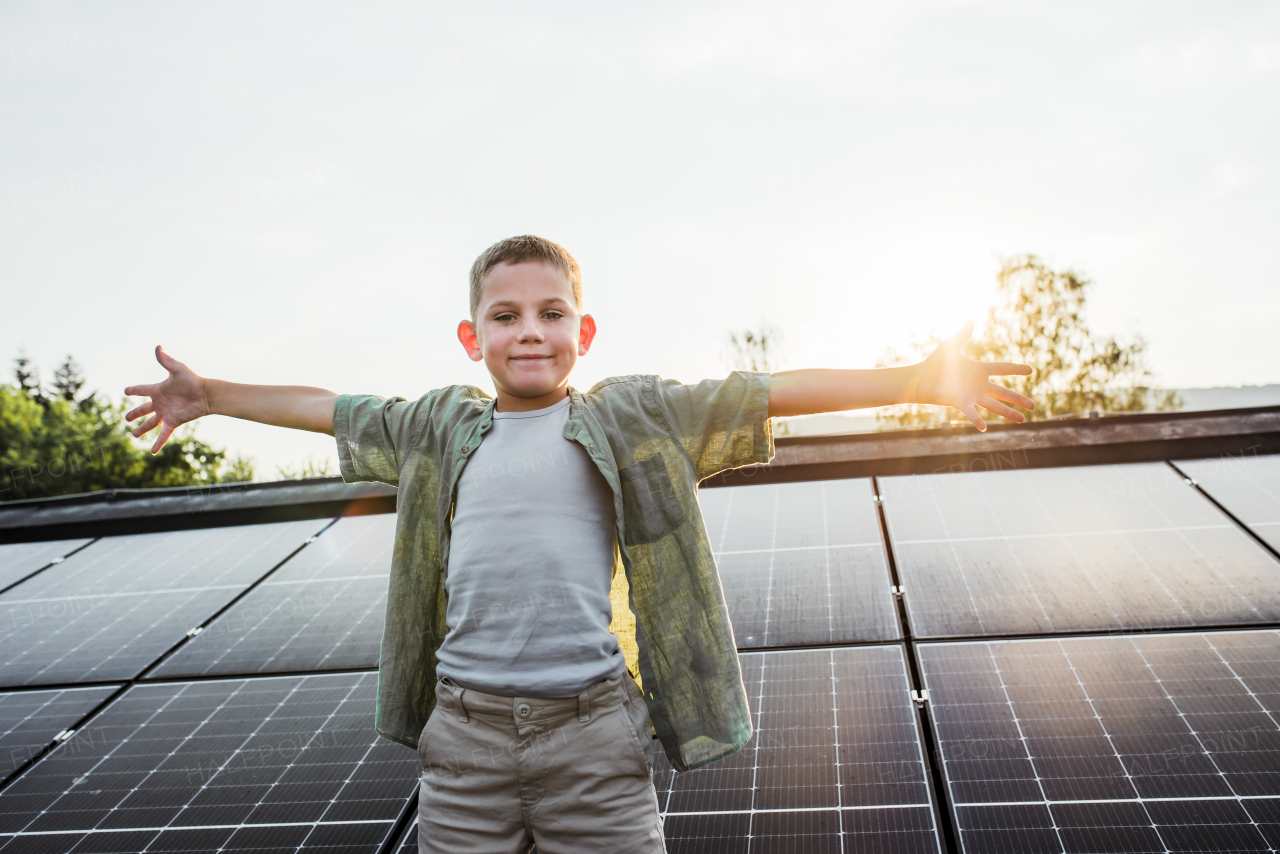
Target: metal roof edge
x=1140 y=437
x=125 y=511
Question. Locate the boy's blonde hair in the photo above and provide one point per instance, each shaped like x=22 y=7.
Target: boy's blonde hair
x=517 y=250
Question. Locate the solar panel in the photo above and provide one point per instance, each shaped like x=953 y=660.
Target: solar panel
x=323 y=609
x=801 y=563
x=1249 y=487
x=29 y=721
x=232 y=765
x=109 y=611
x=1072 y=549
x=1134 y=743
x=836 y=762
x=21 y=559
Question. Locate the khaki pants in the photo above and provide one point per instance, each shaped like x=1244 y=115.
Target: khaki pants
x=572 y=775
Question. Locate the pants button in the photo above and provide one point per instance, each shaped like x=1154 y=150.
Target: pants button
x=523 y=710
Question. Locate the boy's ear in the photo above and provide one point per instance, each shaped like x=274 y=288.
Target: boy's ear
x=470 y=340
x=586 y=334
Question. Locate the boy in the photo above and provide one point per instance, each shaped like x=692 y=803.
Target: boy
x=549 y=543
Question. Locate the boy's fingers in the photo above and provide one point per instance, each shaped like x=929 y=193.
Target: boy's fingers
x=147 y=426
x=995 y=406
x=1006 y=368
x=140 y=410
x=1008 y=395
x=166 y=361
x=162 y=438
x=972 y=414
x=149 y=390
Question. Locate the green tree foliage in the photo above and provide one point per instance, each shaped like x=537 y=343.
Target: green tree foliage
x=1039 y=320
x=61 y=441
x=310 y=467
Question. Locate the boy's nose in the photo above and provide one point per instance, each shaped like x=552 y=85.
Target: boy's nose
x=530 y=332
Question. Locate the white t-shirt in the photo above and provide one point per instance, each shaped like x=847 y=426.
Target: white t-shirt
x=530 y=565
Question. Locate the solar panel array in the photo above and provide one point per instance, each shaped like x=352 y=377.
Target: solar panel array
x=220 y=683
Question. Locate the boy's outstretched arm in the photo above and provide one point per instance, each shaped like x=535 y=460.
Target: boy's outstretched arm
x=186 y=396
x=945 y=378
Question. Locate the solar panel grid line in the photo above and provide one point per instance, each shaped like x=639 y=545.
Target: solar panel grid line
x=1111 y=743
x=1169 y=529
x=1023 y=738
x=799 y=548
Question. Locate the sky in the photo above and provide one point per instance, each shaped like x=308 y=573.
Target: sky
x=294 y=192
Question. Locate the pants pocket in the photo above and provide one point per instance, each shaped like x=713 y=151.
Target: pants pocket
x=636 y=720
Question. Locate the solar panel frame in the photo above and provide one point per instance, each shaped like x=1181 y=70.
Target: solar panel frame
x=1248 y=487
x=199 y=765
x=1046 y=764
x=19 y=560
x=324 y=609
x=112 y=609
x=801 y=563
x=1089 y=548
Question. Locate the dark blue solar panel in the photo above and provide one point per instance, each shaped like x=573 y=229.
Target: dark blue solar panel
x=1072 y=549
x=1130 y=743
x=29 y=721
x=324 y=609
x=285 y=762
x=801 y=563
x=836 y=762
x=109 y=611
x=21 y=559
x=1249 y=487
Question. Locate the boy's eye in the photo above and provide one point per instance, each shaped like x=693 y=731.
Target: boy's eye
x=505 y=317
x=553 y=315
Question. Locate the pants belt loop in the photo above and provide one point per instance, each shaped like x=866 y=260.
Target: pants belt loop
x=584 y=705
x=457 y=691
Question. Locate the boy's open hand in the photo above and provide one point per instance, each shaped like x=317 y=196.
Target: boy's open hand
x=174 y=402
x=949 y=378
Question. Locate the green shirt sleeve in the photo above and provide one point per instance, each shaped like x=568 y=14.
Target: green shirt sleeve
x=375 y=435
x=722 y=424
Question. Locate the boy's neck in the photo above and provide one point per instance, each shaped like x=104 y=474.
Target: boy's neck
x=511 y=403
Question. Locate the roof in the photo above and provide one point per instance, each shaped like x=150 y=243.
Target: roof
x=1043 y=637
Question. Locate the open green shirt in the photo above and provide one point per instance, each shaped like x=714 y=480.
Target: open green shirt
x=653 y=441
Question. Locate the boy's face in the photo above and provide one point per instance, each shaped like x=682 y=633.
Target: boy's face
x=529 y=334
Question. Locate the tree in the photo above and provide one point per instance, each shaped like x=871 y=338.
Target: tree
x=66 y=442
x=311 y=467
x=756 y=349
x=1039 y=320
